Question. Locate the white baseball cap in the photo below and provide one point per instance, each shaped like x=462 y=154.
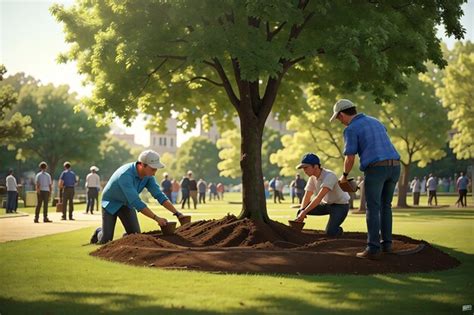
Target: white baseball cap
x=150 y=158
x=340 y=105
x=94 y=168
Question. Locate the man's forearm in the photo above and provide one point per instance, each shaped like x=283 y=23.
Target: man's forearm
x=348 y=163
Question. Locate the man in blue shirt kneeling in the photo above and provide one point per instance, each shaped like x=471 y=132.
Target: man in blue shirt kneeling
x=121 y=198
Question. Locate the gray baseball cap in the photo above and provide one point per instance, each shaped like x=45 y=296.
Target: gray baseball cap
x=150 y=158
x=340 y=105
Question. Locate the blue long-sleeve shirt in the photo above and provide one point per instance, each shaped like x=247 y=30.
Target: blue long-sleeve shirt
x=367 y=137
x=124 y=187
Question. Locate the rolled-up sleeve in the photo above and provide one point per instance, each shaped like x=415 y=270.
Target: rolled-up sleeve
x=350 y=142
x=155 y=191
x=126 y=184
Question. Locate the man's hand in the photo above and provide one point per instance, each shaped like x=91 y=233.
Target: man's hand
x=300 y=216
x=178 y=214
x=161 y=221
x=343 y=179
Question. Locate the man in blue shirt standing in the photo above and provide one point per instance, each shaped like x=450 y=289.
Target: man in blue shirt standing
x=380 y=162
x=121 y=197
x=67 y=181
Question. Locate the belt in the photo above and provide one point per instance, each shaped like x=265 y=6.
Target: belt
x=385 y=163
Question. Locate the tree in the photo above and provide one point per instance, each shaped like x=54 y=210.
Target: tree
x=208 y=58
x=14 y=127
x=457 y=97
x=60 y=133
x=199 y=155
x=229 y=153
x=416 y=122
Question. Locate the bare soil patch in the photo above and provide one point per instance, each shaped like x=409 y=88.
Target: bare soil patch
x=245 y=246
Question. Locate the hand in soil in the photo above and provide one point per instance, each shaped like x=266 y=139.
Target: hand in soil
x=301 y=216
x=161 y=221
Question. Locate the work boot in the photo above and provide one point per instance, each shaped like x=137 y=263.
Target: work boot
x=366 y=254
x=95 y=236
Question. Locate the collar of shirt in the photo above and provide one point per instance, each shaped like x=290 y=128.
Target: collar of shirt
x=356 y=117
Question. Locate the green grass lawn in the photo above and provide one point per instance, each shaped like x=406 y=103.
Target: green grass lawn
x=55 y=275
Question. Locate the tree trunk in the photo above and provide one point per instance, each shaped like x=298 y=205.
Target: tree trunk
x=253 y=194
x=403 y=186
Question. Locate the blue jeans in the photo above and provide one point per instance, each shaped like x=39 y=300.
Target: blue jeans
x=12 y=199
x=380 y=184
x=337 y=215
x=126 y=215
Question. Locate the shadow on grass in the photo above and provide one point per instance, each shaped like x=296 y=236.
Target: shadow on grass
x=430 y=213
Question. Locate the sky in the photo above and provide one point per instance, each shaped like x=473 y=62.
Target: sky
x=31 y=39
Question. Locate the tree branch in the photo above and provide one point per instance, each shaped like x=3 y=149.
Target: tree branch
x=206 y=79
x=225 y=81
x=271 y=34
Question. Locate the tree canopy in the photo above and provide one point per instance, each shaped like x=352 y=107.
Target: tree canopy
x=217 y=58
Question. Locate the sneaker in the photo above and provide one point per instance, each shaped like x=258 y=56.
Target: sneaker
x=368 y=255
x=95 y=236
x=47 y=220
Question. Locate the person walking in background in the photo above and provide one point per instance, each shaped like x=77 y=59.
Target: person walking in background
x=93 y=188
x=277 y=185
x=67 y=181
x=431 y=186
x=121 y=197
x=202 y=187
x=43 y=185
x=266 y=187
x=220 y=190
x=12 y=192
x=300 y=184
x=175 y=186
x=423 y=185
x=166 y=186
x=415 y=186
x=292 y=191
x=461 y=186
x=213 y=191
x=193 y=190
x=380 y=162
x=184 y=191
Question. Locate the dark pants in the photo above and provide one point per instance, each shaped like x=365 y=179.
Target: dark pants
x=277 y=195
x=431 y=195
x=337 y=215
x=12 y=201
x=202 y=197
x=168 y=194
x=43 y=197
x=300 y=196
x=92 y=195
x=416 y=198
x=462 y=197
x=68 y=201
x=380 y=184
x=185 y=197
x=126 y=215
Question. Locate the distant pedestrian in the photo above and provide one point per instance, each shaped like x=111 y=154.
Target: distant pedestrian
x=202 y=187
x=184 y=191
x=461 y=186
x=193 y=190
x=175 y=186
x=43 y=184
x=166 y=186
x=213 y=191
x=278 y=194
x=220 y=190
x=67 y=182
x=300 y=184
x=12 y=192
x=415 y=186
x=431 y=186
x=423 y=185
x=93 y=188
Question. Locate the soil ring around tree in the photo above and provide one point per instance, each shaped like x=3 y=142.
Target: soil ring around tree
x=230 y=245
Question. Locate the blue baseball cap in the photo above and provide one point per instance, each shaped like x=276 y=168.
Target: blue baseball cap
x=309 y=159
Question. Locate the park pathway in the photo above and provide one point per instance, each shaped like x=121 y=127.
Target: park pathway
x=22 y=227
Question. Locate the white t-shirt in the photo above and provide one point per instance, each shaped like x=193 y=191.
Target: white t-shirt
x=92 y=180
x=328 y=179
x=11 y=183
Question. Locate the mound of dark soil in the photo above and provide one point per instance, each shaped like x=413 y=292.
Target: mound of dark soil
x=245 y=246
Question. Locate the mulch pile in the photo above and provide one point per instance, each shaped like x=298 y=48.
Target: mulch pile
x=245 y=246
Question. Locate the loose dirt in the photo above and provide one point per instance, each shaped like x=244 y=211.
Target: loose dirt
x=231 y=245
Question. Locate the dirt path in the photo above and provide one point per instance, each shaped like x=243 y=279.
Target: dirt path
x=23 y=227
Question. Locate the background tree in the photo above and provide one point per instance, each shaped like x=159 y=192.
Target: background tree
x=14 y=127
x=217 y=58
x=457 y=96
x=417 y=125
x=199 y=155
x=229 y=153
x=60 y=133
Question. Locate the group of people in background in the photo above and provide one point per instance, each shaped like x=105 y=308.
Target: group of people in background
x=191 y=190
x=431 y=184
